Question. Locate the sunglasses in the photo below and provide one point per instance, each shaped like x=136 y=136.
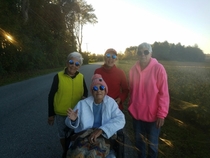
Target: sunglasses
x=71 y=62
x=109 y=56
x=146 y=52
x=95 y=88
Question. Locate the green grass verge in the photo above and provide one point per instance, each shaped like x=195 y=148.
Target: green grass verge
x=20 y=76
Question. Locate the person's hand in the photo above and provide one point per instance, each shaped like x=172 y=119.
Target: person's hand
x=118 y=100
x=51 y=120
x=72 y=115
x=94 y=135
x=159 y=122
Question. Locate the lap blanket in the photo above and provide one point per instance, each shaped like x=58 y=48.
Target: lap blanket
x=82 y=148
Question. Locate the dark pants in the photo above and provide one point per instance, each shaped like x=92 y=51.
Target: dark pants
x=146 y=137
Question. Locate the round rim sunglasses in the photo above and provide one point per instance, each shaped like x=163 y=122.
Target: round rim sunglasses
x=95 y=88
x=71 y=62
x=109 y=56
x=145 y=52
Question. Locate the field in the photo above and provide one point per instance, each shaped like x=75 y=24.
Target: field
x=186 y=132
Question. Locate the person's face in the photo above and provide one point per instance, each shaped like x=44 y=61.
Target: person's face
x=110 y=59
x=72 y=66
x=98 y=92
x=144 y=56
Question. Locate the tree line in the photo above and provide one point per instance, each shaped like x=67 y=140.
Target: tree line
x=170 y=51
x=39 y=34
x=162 y=51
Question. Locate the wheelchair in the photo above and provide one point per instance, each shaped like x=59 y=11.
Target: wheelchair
x=118 y=143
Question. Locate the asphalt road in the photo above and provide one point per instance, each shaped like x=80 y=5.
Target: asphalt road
x=24 y=132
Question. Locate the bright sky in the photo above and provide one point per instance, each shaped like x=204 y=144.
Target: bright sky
x=125 y=23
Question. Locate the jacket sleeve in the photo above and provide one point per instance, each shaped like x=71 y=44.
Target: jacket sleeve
x=72 y=124
x=53 y=90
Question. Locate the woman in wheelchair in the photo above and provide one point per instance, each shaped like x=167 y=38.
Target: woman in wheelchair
x=99 y=112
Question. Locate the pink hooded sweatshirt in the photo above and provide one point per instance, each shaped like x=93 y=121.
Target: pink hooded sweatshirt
x=149 y=96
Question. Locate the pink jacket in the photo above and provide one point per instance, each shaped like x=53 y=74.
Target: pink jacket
x=149 y=96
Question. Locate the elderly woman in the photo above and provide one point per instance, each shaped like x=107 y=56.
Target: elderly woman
x=149 y=100
x=98 y=111
x=67 y=89
x=114 y=77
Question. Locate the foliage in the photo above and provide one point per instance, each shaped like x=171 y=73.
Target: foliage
x=96 y=58
x=78 y=13
x=130 y=52
x=34 y=40
x=85 y=57
x=84 y=16
x=171 y=52
x=38 y=34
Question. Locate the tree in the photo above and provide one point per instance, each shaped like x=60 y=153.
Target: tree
x=83 y=16
x=167 y=51
x=161 y=50
x=39 y=35
x=130 y=52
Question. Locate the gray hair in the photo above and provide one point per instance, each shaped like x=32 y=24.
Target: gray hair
x=145 y=46
x=76 y=55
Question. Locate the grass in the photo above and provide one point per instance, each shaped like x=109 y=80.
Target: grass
x=13 y=77
x=179 y=138
x=186 y=132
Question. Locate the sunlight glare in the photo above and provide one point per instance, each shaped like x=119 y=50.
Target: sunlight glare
x=179 y=122
x=9 y=37
x=168 y=142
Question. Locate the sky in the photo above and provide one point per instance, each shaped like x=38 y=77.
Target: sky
x=125 y=23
